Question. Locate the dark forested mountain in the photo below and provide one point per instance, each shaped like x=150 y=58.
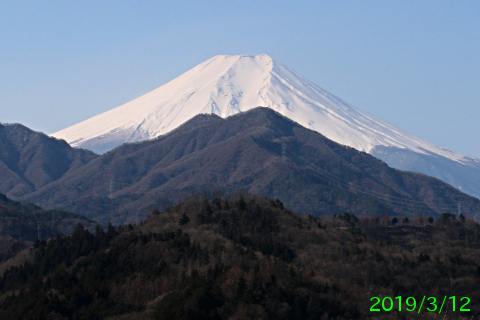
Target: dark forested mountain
x=259 y=151
x=21 y=224
x=30 y=160
x=247 y=257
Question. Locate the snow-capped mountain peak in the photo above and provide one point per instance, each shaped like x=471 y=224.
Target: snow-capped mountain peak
x=226 y=85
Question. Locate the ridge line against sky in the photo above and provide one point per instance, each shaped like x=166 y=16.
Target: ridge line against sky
x=415 y=65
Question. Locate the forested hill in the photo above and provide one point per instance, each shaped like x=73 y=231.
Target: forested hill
x=30 y=160
x=259 y=151
x=247 y=257
x=21 y=224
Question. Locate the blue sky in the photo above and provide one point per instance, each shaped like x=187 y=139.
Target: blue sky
x=415 y=64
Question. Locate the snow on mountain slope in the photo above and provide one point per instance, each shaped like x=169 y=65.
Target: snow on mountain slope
x=226 y=85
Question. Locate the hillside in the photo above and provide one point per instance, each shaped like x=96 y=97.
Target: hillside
x=30 y=160
x=247 y=257
x=21 y=224
x=259 y=151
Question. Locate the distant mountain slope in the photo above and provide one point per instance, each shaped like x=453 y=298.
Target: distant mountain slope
x=260 y=151
x=226 y=85
x=463 y=175
x=21 y=224
x=30 y=160
x=21 y=221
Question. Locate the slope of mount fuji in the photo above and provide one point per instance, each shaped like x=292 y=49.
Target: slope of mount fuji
x=226 y=85
x=259 y=151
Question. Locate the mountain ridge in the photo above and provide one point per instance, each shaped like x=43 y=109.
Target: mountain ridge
x=260 y=151
x=30 y=159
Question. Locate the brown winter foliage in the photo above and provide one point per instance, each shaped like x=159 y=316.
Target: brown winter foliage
x=243 y=256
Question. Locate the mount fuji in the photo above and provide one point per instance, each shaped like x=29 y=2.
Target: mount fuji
x=226 y=85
